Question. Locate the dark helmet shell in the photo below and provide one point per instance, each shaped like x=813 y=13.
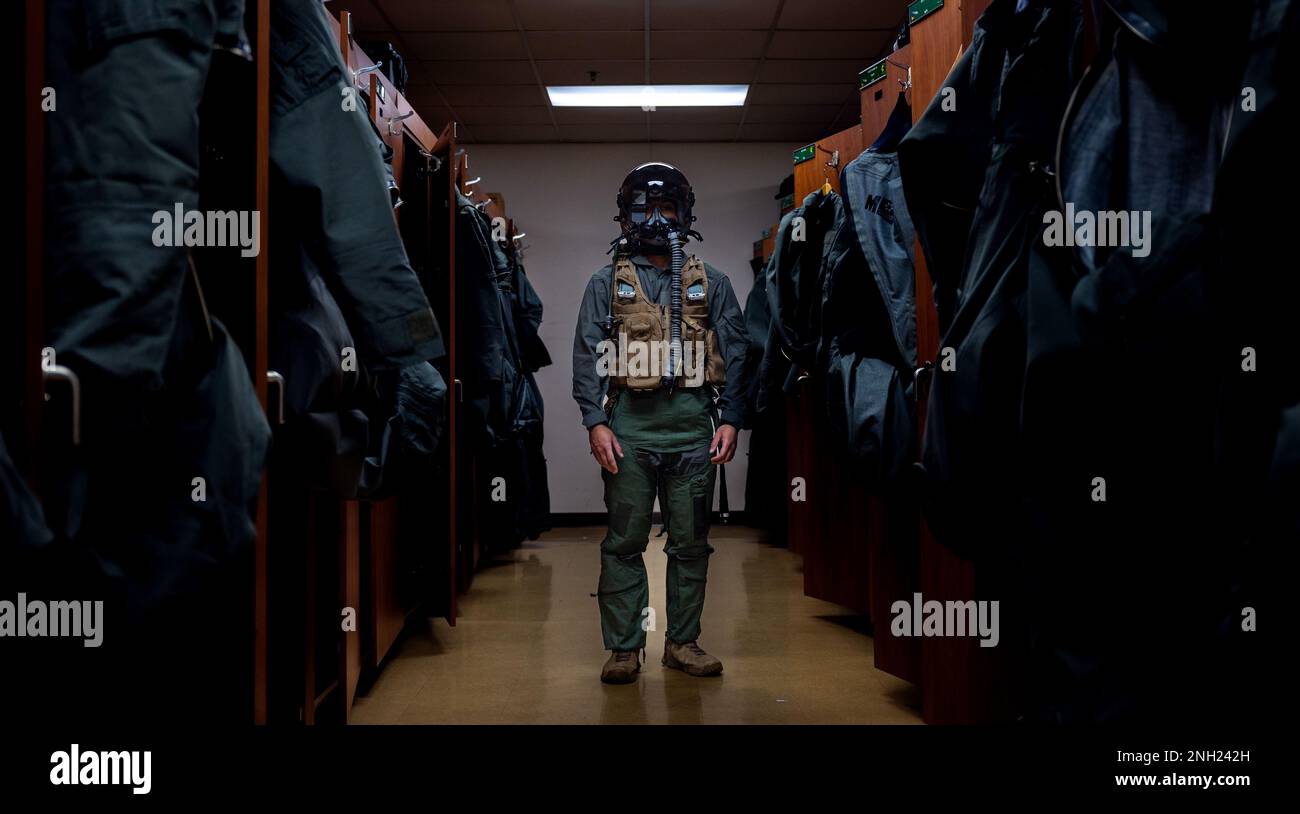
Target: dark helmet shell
x=647 y=182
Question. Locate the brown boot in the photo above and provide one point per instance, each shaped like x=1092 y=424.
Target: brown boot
x=621 y=668
x=690 y=659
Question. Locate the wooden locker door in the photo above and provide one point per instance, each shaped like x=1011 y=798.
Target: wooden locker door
x=831 y=537
x=954 y=671
x=262 y=58
x=878 y=99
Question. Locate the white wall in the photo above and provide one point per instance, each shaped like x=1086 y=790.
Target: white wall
x=563 y=195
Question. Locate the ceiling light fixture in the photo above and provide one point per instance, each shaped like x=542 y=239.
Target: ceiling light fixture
x=647 y=97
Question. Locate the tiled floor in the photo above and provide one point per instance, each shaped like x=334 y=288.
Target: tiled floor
x=527 y=649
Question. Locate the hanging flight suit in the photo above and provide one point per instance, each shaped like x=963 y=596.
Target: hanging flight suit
x=765 y=483
x=526 y=307
x=1255 y=308
x=346 y=282
x=489 y=379
x=168 y=406
x=514 y=413
x=869 y=315
x=324 y=152
x=1134 y=382
x=977 y=180
x=665 y=435
x=830 y=318
x=795 y=285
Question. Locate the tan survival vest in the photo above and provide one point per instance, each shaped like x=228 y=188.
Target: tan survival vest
x=646 y=325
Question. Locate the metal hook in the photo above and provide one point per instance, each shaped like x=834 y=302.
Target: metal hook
x=408 y=114
x=437 y=162
x=835 y=156
x=63 y=374
x=472 y=183
x=360 y=72
x=521 y=234
x=275 y=378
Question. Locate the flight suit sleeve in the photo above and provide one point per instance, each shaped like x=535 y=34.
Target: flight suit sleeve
x=589 y=387
x=328 y=159
x=728 y=322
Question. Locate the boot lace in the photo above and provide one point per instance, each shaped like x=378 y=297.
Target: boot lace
x=694 y=647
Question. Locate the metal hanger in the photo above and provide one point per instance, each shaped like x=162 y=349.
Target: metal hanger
x=360 y=72
x=393 y=119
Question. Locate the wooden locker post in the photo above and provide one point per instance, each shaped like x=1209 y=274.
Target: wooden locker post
x=262 y=56
x=449 y=136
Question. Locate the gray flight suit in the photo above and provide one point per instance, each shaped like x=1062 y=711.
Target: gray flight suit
x=665 y=440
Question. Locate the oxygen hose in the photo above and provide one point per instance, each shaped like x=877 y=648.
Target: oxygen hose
x=675 y=310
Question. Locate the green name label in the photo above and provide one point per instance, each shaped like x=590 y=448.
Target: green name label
x=922 y=9
x=872 y=75
x=805 y=153
x=787 y=202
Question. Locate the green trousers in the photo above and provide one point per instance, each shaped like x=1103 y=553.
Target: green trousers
x=684 y=483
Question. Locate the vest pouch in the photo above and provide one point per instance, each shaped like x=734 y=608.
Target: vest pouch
x=646 y=357
x=695 y=352
x=715 y=367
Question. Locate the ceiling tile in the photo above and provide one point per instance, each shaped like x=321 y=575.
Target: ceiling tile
x=576 y=15
x=694 y=72
x=600 y=115
x=693 y=132
x=796 y=134
x=608 y=72
x=448 y=15
x=480 y=72
x=470 y=57
x=475 y=45
x=810 y=70
x=475 y=115
x=810 y=94
x=862 y=46
x=842 y=14
x=467 y=95
x=587 y=44
x=791 y=114
x=433 y=112
x=603 y=132
x=707 y=44
x=365 y=16
x=511 y=133
x=713 y=15
x=696 y=115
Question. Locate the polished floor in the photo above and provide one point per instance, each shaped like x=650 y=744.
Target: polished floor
x=527 y=649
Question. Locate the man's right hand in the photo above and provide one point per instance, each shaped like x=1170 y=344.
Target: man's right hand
x=605 y=446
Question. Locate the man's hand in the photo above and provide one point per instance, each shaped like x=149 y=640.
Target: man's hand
x=604 y=446
x=723 y=445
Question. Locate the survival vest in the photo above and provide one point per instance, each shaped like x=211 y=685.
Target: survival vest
x=648 y=325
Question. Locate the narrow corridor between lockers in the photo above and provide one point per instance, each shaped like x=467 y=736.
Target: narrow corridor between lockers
x=526 y=648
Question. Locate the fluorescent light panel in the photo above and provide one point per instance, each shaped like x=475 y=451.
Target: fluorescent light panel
x=647 y=95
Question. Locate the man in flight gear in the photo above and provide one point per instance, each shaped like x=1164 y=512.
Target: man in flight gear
x=660 y=338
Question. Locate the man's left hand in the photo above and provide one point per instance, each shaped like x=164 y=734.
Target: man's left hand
x=723 y=445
